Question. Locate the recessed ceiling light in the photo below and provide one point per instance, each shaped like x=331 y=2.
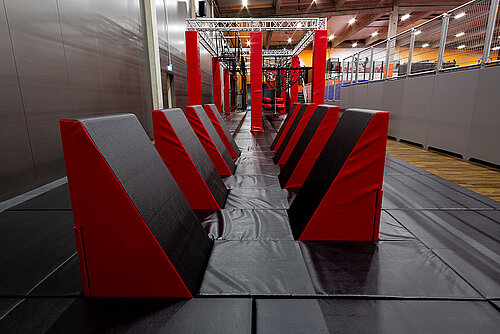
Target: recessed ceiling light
x=351 y=21
x=332 y=36
x=418 y=32
x=289 y=40
x=495 y=48
x=425 y=45
x=462 y=14
x=354 y=44
x=461 y=46
x=248 y=43
x=405 y=17
x=299 y=25
x=374 y=33
x=460 y=34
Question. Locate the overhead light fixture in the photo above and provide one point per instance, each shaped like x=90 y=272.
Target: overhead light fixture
x=354 y=44
x=461 y=46
x=460 y=34
x=351 y=21
x=425 y=45
x=418 y=32
x=289 y=40
x=332 y=36
x=244 y=3
x=460 y=15
x=495 y=48
x=405 y=17
x=248 y=43
x=374 y=33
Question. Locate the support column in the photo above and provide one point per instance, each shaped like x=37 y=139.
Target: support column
x=256 y=80
x=227 y=98
x=319 y=66
x=216 y=83
x=391 y=32
x=193 y=68
x=153 y=53
x=294 y=91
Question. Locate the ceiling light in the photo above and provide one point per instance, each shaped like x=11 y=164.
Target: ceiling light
x=289 y=40
x=332 y=36
x=248 y=43
x=299 y=25
x=354 y=44
x=418 y=32
x=495 y=48
x=462 y=14
x=405 y=17
x=244 y=3
x=461 y=46
x=425 y=45
x=460 y=34
x=374 y=33
x=351 y=21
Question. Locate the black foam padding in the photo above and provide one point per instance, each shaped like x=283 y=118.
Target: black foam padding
x=139 y=168
x=225 y=129
x=290 y=132
x=197 y=153
x=257 y=198
x=65 y=281
x=283 y=125
x=395 y=269
x=7 y=305
x=260 y=267
x=419 y=191
x=252 y=181
x=301 y=146
x=207 y=123
x=55 y=199
x=468 y=241
x=409 y=316
x=289 y=316
x=254 y=169
x=239 y=224
x=329 y=163
x=34 y=315
x=390 y=229
x=32 y=245
x=198 y=315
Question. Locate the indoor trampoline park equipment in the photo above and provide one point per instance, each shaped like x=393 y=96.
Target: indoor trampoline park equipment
x=221 y=128
x=187 y=161
x=285 y=126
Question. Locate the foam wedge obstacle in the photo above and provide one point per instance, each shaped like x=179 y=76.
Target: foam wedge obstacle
x=285 y=126
x=206 y=133
x=187 y=161
x=309 y=146
x=292 y=136
x=341 y=197
x=136 y=234
x=222 y=130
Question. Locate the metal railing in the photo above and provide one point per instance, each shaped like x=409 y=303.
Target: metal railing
x=464 y=37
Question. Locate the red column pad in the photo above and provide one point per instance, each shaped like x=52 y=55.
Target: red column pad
x=222 y=130
x=256 y=79
x=117 y=252
x=319 y=66
x=216 y=83
x=350 y=210
x=227 y=99
x=314 y=148
x=207 y=142
x=180 y=164
x=287 y=124
x=294 y=91
x=193 y=68
x=297 y=133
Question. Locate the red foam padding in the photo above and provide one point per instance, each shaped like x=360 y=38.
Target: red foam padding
x=220 y=131
x=294 y=91
x=207 y=142
x=193 y=70
x=314 y=148
x=319 y=66
x=280 y=106
x=351 y=207
x=256 y=80
x=279 y=100
x=268 y=106
x=216 y=83
x=227 y=100
x=266 y=100
x=292 y=116
x=180 y=165
x=297 y=133
x=118 y=254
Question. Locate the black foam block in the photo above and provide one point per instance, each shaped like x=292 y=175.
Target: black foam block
x=395 y=269
x=225 y=129
x=7 y=305
x=260 y=267
x=304 y=140
x=282 y=127
x=65 y=281
x=32 y=245
x=55 y=199
x=291 y=130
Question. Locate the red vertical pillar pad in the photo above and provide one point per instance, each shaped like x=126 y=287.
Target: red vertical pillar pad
x=294 y=91
x=319 y=66
x=216 y=83
x=193 y=68
x=256 y=79
x=227 y=99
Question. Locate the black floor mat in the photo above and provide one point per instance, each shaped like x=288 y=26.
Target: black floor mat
x=255 y=198
x=252 y=181
x=55 y=199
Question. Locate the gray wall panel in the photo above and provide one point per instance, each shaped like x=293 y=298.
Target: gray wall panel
x=485 y=131
x=451 y=112
x=374 y=95
x=392 y=101
x=358 y=99
x=344 y=97
x=415 y=109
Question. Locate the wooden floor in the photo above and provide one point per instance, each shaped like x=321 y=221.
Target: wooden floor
x=479 y=178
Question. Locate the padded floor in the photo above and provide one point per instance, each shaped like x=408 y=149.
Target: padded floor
x=434 y=270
